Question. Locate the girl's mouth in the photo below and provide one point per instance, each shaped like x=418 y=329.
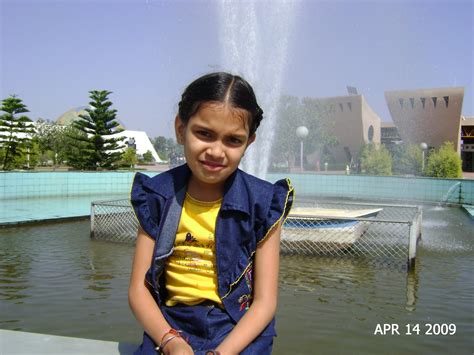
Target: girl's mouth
x=210 y=165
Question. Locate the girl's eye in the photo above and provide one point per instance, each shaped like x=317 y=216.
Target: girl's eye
x=235 y=140
x=204 y=134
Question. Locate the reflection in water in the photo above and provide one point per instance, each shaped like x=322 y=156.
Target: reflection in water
x=14 y=262
x=319 y=270
x=346 y=281
x=412 y=288
x=98 y=271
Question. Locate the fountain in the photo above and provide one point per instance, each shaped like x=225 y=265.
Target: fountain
x=254 y=42
x=446 y=198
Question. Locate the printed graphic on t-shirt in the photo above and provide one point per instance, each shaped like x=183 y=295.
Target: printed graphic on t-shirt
x=195 y=254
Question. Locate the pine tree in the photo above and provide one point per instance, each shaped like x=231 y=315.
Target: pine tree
x=14 y=131
x=96 y=145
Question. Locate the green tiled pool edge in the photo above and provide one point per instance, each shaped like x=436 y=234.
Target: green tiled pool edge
x=391 y=188
x=30 y=197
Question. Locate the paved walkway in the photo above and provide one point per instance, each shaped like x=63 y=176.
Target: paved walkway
x=14 y=342
x=24 y=210
x=467 y=175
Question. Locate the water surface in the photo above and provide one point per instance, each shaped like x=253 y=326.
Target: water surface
x=54 y=279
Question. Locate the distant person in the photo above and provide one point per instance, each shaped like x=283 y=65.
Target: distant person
x=211 y=232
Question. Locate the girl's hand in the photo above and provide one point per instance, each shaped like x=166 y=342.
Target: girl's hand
x=178 y=346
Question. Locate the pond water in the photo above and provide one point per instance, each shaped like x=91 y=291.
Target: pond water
x=54 y=279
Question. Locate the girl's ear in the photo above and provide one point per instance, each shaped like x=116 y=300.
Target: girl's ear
x=179 y=127
x=251 y=140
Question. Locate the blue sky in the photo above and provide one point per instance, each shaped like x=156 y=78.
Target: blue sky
x=146 y=51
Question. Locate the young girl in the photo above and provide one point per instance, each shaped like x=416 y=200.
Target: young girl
x=205 y=272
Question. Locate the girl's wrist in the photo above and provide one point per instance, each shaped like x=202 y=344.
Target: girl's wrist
x=178 y=345
x=166 y=338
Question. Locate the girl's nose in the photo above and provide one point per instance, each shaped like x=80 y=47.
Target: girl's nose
x=216 y=150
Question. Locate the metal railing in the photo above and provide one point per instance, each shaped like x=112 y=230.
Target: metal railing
x=384 y=233
x=113 y=220
x=380 y=232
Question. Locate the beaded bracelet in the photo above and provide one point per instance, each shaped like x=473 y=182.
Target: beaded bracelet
x=174 y=334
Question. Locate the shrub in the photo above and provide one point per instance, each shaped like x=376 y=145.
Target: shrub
x=129 y=157
x=148 y=157
x=375 y=160
x=407 y=160
x=444 y=163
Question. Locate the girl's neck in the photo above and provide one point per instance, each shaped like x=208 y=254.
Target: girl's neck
x=205 y=192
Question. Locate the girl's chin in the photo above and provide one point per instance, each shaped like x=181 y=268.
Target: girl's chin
x=212 y=177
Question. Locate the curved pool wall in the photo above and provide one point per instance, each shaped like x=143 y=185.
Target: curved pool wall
x=28 y=185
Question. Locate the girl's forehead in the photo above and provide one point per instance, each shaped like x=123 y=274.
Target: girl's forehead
x=210 y=111
x=224 y=107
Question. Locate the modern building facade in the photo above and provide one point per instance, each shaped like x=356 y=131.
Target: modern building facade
x=467 y=143
x=354 y=124
x=389 y=136
x=431 y=116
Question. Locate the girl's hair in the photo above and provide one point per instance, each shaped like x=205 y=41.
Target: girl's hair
x=224 y=88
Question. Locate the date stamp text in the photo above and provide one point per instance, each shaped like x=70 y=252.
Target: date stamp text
x=429 y=329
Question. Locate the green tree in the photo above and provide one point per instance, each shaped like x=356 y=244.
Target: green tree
x=375 y=160
x=31 y=157
x=129 y=157
x=444 y=163
x=148 y=157
x=307 y=112
x=76 y=145
x=52 y=141
x=15 y=131
x=407 y=159
x=161 y=146
x=167 y=147
x=318 y=120
x=98 y=147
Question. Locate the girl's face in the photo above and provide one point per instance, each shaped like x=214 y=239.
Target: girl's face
x=215 y=140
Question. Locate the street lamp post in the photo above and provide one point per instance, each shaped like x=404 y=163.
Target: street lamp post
x=301 y=133
x=28 y=157
x=423 y=147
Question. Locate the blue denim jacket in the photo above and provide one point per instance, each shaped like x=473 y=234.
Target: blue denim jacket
x=249 y=210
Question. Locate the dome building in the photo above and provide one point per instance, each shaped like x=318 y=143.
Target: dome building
x=73 y=115
x=70 y=116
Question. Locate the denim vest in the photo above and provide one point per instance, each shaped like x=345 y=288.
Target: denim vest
x=251 y=207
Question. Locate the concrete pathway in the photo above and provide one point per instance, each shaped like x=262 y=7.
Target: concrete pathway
x=469 y=209
x=13 y=342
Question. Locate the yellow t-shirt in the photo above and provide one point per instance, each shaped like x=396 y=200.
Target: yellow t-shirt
x=191 y=270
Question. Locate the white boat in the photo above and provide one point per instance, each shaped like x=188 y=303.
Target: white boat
x=327 y=228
